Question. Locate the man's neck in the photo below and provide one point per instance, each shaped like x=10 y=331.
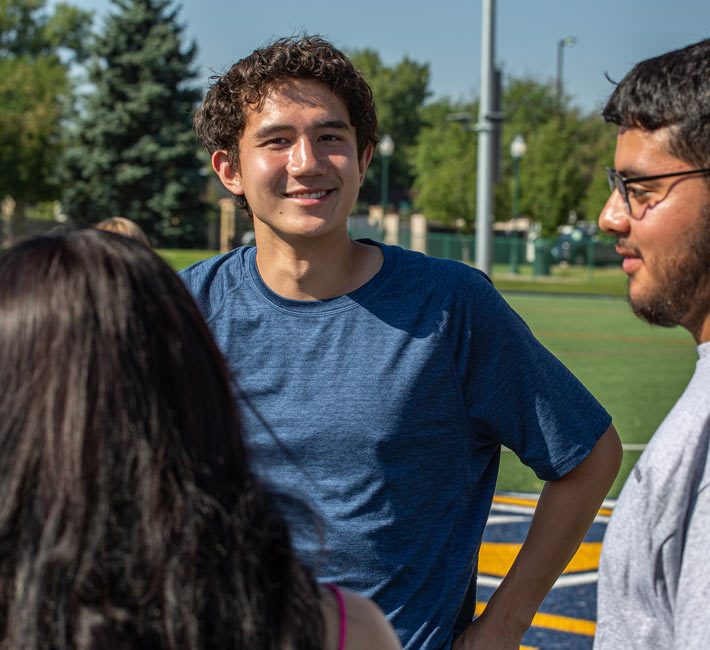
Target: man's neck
x=702 y=333
x=314 y=269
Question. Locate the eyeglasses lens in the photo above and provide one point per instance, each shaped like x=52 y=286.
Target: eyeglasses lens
x=616 y=182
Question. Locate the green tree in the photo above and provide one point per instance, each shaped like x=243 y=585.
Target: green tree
x=527 y=105
x=399 y=92
x=36 y=50
x=26 y=29
x=134 y=153
x=552 y=174
x=598 y=152
x=444 y=164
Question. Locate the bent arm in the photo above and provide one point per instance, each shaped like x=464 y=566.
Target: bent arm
x=564 y=513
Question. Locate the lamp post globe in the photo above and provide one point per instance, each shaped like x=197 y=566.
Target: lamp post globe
x=385 y=149
x=569 y=41
x=517 y=151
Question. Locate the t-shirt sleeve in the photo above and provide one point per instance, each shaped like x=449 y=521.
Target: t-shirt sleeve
x=515 y=391
x=211 y=280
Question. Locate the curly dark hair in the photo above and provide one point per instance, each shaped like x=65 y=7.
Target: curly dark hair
x=220 y=120
x=129 y=517
x=671 y=90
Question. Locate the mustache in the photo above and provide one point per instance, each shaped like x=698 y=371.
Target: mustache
x=625 y=244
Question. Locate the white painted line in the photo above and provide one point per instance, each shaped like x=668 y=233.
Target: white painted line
x=509 y=507
x=576 y=579
x=506 y=519
x=488 y=581
x=634 y=446
x=628 y=446
x=567 y=580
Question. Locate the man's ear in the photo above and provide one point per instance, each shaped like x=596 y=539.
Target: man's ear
x=229 y=176
x=364 y=161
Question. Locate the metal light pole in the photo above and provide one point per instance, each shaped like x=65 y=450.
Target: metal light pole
x=386 y=149
x=561 y=45
x=517 y=151
x=486 y=128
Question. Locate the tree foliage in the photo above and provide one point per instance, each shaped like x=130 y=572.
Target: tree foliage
x=552 y=175
x=399 y=92
x=560 y=173
x=134 y=153
x=444 y=164
x=36 y=49
x=31 y=108
x=26 y=30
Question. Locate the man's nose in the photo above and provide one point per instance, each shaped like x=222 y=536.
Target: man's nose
x=305 y=158
x=614 y=217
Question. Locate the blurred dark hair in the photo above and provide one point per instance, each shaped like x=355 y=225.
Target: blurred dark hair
x=129 y=517
x=220 y=120
x=670 y=90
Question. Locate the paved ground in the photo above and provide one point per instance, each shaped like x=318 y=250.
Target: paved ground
x=566 y=618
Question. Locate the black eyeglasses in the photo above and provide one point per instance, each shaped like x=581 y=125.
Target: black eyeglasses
x=616 y=180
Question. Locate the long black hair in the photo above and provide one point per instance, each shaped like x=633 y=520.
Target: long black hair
x=129 y=517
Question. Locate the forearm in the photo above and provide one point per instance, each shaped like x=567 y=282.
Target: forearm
x=566 y=509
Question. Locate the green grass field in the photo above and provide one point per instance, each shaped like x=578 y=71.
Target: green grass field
x=180 y=258
x=636 y=371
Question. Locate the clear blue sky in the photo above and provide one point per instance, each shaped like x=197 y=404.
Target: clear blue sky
x=611 y=35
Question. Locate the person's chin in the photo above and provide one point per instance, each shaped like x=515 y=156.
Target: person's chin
x=654 y=308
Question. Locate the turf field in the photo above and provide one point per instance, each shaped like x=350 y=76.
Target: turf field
x=636 y=371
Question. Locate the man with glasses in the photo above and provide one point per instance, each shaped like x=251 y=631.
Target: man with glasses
x=654 y=581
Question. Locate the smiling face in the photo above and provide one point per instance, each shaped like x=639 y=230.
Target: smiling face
x=666 y=244
x=298 y=163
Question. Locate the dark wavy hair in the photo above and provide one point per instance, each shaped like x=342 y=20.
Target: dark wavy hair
x=129 y=517
x=671 y=90
x=220 y=120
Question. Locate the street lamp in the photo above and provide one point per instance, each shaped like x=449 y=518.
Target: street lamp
x=561 y=45
x=517 y=151
x=386 y=149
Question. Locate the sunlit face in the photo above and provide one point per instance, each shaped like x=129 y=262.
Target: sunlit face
x=666 y=244
x=298 y=163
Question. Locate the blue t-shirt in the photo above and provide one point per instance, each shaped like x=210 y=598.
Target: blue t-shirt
x=389 y=406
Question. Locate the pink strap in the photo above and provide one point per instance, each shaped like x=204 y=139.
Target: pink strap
x=343 y=617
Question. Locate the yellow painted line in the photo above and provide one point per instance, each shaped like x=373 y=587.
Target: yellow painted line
x=553 y=622
x=496 y=558
x=515 y=501
x=519 y=501
x=564 y=624
x=586 y=558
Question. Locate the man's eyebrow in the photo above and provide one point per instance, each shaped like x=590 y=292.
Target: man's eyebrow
x=632 y=172
x=269 y=130
x=272 y=129
x=332 y=124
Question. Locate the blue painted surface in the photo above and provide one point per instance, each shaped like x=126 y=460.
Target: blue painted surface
x=574 y=601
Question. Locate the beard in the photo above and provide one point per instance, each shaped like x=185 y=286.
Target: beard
x=681 y=295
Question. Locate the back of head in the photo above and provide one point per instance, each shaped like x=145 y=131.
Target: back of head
x=129 y=517
x=671 y=90
x=221 y=118
x=125 y=227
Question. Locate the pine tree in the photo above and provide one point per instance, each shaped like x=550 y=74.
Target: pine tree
x=135 y=154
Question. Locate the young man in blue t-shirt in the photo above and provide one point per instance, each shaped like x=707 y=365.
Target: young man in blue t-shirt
x=379 y=384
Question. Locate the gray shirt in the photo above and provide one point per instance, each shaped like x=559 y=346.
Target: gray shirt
x=654 y=574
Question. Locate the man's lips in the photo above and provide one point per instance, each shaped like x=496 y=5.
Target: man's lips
x=632 y=257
